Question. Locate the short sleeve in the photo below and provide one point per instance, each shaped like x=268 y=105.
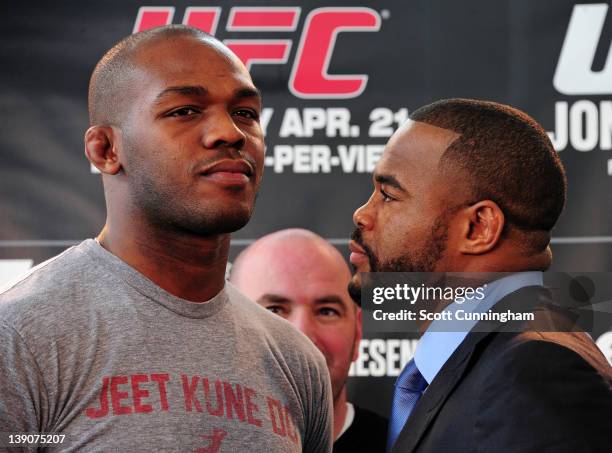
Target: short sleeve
x=319 y=435
x=22 y=391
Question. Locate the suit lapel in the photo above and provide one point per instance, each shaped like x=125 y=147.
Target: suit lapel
x=437 y=392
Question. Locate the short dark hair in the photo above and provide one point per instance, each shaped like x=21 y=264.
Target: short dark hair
x=110 y=78
x=505 y=156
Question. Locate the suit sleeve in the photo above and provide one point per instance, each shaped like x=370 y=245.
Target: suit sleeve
x=542 y=397
x=22 y=393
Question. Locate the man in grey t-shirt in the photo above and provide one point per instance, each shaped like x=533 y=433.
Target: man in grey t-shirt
x=133 y=341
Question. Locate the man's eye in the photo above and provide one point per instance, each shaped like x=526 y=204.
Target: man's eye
x=247 y=113
x=329 y=312
x=385 y=196
x=276 y=310
x=184 y=111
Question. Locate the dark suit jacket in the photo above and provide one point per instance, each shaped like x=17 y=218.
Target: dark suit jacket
x=530 y=391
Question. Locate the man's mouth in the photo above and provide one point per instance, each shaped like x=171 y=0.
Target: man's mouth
x=230 y=172
x=358 y=254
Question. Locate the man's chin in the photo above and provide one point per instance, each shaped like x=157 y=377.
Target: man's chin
x=219 y=223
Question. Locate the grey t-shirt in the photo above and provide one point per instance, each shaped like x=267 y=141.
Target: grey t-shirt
x=92 y=349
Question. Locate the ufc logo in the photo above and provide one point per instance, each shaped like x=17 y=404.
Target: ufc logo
x=574 y=75
x=309 y=75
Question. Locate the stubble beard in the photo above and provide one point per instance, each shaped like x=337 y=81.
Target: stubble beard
x=164 y=207
x=422 y=260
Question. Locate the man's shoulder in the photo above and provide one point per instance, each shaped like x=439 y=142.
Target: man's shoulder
x=552 y=334
x=539 y=367
x=46 y=287
x=258 y=317
x=558 y=351
x=271 y=328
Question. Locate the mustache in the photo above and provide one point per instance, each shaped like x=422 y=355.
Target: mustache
x=358 y=238
x=209 y=161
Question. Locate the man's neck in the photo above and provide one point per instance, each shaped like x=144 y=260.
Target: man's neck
x=340 y=410
x=189 y=267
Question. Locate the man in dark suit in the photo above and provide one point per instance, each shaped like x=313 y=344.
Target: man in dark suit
x=472 y=186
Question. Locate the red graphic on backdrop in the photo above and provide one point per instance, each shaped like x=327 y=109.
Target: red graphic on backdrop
x=262 y=51
x=153 y=16
x=243 y=18
x=309 y=75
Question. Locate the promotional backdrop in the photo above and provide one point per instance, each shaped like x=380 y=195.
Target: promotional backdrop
x=338 y=77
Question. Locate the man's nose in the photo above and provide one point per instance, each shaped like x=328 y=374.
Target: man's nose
x=362 y=218
x=221 y=130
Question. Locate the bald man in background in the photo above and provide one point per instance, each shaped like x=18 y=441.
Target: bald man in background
x=301 y=277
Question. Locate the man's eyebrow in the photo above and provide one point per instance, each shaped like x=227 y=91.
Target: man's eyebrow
x=198 y=90
x=331 y=299
x=389 y=180
x=185 y=90
x=275 y=298
x=245 y=93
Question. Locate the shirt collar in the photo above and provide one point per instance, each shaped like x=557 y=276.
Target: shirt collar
x=436 y=346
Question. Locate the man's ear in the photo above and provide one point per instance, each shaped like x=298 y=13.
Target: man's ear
x=481 y=227
x=358 y=334
x=101 y=150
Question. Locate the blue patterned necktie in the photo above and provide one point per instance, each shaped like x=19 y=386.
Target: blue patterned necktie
x=409 y=387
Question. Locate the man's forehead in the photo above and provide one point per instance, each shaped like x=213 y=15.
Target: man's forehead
x=182 y=44
x=415 y=146
x=189 y=55
x=309 y=276
x=299 y=278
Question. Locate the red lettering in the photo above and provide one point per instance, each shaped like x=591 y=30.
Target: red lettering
x=117 y=396
x=218 y=411
x=291 y=432
x=276 y=417
x=309 y=76
x=263 y=18
x=262 y=51
x=233 y=401
x=138 y=393
x=162 y=380
x=251 y=407
x=153 y=16
x=102 y=411
x=203 y=17
x=189 y=393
